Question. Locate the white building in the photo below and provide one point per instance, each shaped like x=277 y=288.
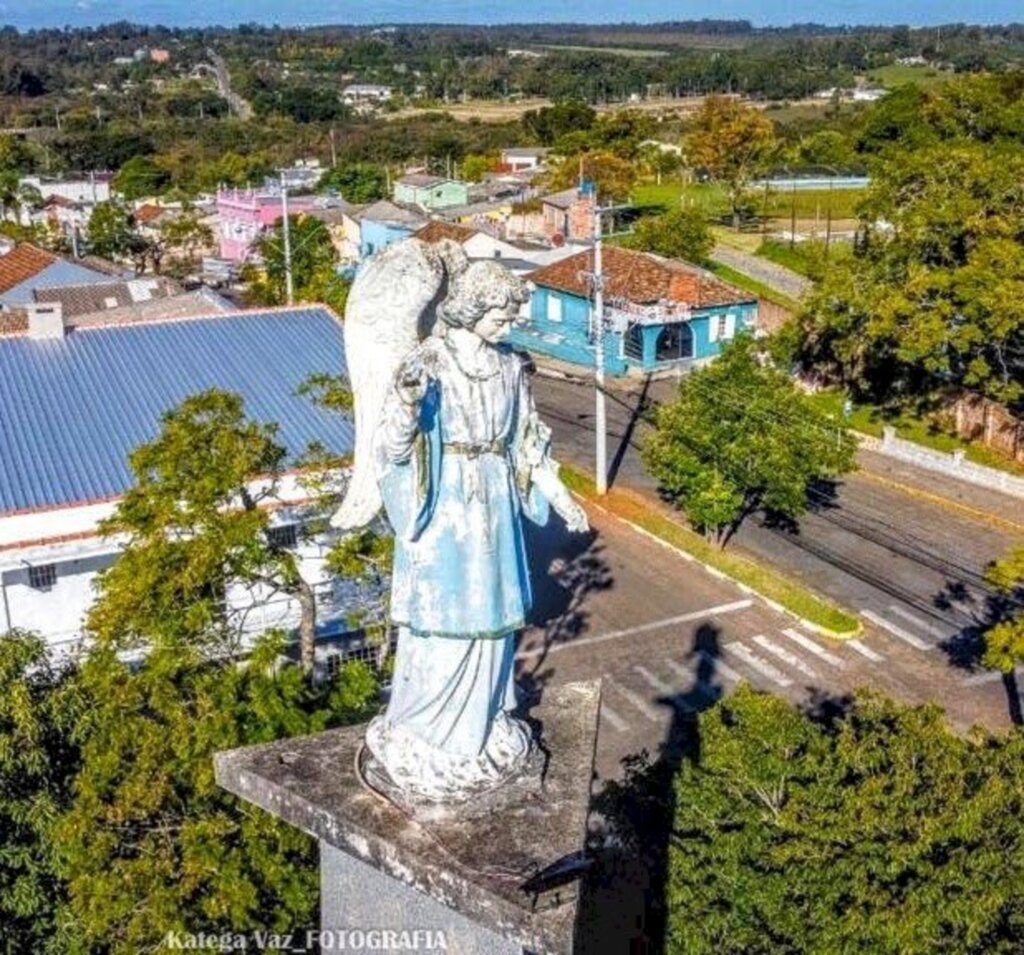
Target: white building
x=366 y=93
x=85 y=190
x=77 y=402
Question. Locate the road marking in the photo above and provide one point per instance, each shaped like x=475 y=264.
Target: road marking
x=654 y=682
x=865 y=651
x=785 y=656
x=918 y=622
x=709 y=690
x=808 y=644
x=718 y=665
x=990 y=676
x=617 y=722
x=986 y=516
x=759 y=663
x=640 y=628
x=916 y=642
x=635 y=698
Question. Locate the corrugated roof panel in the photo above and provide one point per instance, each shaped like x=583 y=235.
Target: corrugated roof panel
x=72 y=409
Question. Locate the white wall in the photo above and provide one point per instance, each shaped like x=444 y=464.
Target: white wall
x=68 y=538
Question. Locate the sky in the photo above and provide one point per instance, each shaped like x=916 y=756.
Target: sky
x=29 y=14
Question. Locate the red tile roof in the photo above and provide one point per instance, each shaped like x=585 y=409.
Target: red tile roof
x=641 y=278
x=21 y=263
x=147 y=213
x=435 y=231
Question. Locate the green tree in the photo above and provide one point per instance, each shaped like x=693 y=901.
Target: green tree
x=150 y=844
x=358 y=182
x=187 y=233
x=1004 y=642
x=740 y=437
x=112 y=233
x=677 y=234
x=140 y=177
x=195 y=524
x=880 y=831
x=615 y=176
x=37 y=764
x=733 y=142
x=550 y=123
x=473 y=166
x=314 y=266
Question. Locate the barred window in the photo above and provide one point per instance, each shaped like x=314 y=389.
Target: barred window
x=284 y=536
x=42 y=576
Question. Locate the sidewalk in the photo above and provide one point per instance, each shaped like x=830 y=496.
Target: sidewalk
x=967 y=497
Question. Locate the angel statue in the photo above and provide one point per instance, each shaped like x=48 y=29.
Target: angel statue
x=449 y=442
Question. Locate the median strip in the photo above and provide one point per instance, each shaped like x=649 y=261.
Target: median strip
x=779 y=591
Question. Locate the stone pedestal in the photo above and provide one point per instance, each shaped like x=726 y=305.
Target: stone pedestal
x=498 y=883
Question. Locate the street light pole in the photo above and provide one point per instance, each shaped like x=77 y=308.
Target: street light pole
x=289 y=284
x=600 y=414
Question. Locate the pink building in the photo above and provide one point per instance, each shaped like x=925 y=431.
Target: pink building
x=243 y=215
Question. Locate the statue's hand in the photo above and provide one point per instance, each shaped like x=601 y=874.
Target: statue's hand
x=575 y=518
x=412 y=381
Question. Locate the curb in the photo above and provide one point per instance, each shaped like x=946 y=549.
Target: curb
x=722 y=575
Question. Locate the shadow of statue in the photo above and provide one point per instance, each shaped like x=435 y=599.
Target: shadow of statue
x=623 y=905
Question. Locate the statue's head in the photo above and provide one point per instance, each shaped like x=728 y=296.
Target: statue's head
x=485 y=298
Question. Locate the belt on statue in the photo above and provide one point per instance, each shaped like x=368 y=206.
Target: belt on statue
x=475 y=450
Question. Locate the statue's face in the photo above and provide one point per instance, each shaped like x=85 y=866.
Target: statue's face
x=496 y=322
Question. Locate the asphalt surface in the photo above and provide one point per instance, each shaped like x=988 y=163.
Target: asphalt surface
x=775 y=276
x=878 y=543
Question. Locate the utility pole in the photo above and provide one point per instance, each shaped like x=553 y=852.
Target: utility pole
x=289 y=285
x=334 y=150
x=600 y=414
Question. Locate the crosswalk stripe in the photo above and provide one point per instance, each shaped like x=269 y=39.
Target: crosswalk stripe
x=990 y=676
x=654 y=682
x=636 y=699
x=759 y=663
x=808 y=644
x=865 y=651
x=667 y=622
x=617 y=722
x=785 y=656
x=918 y=622
x=718 y=665
x=916 y=642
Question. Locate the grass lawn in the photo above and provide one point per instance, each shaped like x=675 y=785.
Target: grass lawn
x=711 y=198
x=807 y=258
x=748 y=284
x=869 y=419
x=895 y=75
x=761 y=578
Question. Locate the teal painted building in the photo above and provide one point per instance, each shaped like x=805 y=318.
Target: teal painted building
x=430 y=192
x=660 y=314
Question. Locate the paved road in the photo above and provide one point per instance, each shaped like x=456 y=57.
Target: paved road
x=911 y=568
x=668 y=639
x=777 y=277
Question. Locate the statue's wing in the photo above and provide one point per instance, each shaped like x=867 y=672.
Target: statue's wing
x=390 y=310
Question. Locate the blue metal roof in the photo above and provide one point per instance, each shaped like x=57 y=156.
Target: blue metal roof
x=60 y=272
x=72 y=409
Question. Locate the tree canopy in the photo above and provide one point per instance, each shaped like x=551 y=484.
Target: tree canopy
x=741 y=436
x=676 y=234
x=1004 y=641
x=732 y=142
x=358 y=182
x=879 y=831
x=934 y=297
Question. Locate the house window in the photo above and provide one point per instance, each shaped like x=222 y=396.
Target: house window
x=42 y=576
x=554 y=308
x=723 y=327
x=674 y=342
x=285 y=536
